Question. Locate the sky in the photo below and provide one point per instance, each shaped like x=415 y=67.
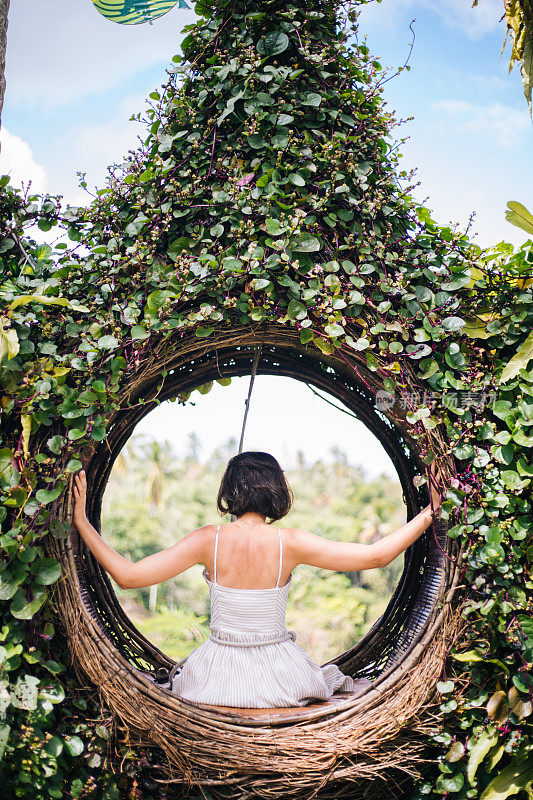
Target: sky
x=74 y=79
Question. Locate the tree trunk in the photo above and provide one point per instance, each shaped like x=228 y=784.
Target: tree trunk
x=4 y=9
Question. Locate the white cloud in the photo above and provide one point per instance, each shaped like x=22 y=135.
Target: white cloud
x=59 y=52
x=505 y=124
x=90 y=149
x=479 y=179
x=489 y=84
x=473 y=22
x=17 y=160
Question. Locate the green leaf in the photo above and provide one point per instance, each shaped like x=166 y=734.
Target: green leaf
x=203 y=332
x=423 y=293
x=451 y=783
x=296 y=310
x=107 y=342
x=486 y=739
x=518 y=215
x=256 y=141
x=526 y=623
x=24 y=299
x=312 y=99
x=501 y=408
x=178 y=246
x=511 y=780
x=9 y=475
x=452 y=323
x=157 y=299
x=456 y=752
x=273 y=227
x=87 y=397
x=333 y=330
x=54 y=667
x=463 y=451
x=522 y=439
x=445 y=686
x=54 y=693
x=55 y=444
x=523 y=682
x=476 y=329
x=46 y=571
x=273 y=44
x=54 y=746
x=24 y=694
x=430 y=367
x=22 y=609
x=9 y=343
x=279 y=141
x=297 y=179
x=9 y=587
x=472 y=656
x=136 y=225
x=74 y=745
x=75 y=433
x=305 y=243
x=519 y=361
x=49 y=495
x=511 y=479
x=326 y=347
x=139 y=333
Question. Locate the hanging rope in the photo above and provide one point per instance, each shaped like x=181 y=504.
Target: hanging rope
x=252 y=378
x=325 y=399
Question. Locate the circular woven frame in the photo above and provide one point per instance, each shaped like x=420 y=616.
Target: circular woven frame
x=376 y=742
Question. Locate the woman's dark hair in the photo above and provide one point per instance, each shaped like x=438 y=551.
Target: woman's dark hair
x=254 y=481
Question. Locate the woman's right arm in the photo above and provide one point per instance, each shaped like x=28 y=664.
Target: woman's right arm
x=307 y=548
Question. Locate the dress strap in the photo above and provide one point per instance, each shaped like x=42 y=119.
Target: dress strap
x=280 y=557
x=215 y=560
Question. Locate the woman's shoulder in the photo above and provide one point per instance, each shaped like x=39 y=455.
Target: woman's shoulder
x=203 y=534
x=295 y=537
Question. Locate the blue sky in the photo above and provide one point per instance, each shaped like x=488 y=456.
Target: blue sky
x=73 y=80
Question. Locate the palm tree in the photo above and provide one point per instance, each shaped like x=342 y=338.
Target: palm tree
x=519 y=17
x=158 y=458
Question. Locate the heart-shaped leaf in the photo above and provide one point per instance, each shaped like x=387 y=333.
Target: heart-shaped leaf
x=273 y=43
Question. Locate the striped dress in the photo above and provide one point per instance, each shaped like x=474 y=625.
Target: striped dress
x=250 y=659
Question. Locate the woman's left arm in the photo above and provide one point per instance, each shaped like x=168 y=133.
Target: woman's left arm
x=148 y=571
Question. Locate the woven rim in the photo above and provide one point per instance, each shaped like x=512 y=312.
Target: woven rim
x=406 y=642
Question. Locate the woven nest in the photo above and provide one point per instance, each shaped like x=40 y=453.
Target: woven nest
x=369 y=745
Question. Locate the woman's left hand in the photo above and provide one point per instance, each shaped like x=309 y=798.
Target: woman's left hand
x=80 y=495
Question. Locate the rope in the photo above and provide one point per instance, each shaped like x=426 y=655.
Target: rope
x=252 y=378
x=326 y=400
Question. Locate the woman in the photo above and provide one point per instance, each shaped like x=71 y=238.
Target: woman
x=250 y=659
